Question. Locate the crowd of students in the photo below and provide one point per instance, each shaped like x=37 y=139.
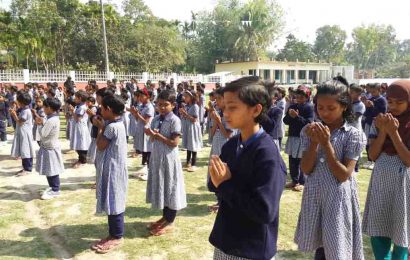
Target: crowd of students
x=329 y=126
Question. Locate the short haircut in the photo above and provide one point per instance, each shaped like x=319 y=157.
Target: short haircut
x=251 y=91
x=24 y=98
x=52 y=103
x=103 y=92
x=82 y=95
x=115 y=103
x=91 y=99
x=167 y=95
x=355 y=88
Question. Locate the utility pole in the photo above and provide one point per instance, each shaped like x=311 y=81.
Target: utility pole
x=107 y=65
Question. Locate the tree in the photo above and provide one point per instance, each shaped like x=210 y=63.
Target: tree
x=329 y=44
x=136 y=9
x=295 y=49
x=372 y=46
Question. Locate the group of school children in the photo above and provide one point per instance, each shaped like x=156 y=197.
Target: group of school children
x=328 y=129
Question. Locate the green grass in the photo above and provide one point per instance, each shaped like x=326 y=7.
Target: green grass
x=72 y=217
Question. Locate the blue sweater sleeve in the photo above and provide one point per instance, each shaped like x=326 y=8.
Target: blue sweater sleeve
x=261 y=202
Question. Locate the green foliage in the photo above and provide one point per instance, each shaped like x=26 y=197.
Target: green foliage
x=296 y=50
x=329 y=44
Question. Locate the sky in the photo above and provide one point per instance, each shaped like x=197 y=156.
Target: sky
x=302 y=17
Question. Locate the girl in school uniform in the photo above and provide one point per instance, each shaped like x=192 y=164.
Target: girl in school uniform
x=23 y=138
x=220 y=132
x=49 y=158
x=209 y=110
x=126 y=116
x=281 y=104
x=386 y=217
x=91 y=106
x=111 y=169
x=329 y=220
x=297 y=116
x=68 y=105
x=80 y=139
x=37 y=112
x=143 y=116
x=201 y=104
x=133 y=120
x=248 y=176
x=193 y=134
x=165 y=187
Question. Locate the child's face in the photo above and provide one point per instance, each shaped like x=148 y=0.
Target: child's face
x=77 y=100
x=48 y=111
x=144 y=99
x=1 y=99
x=237 y=114
x=187 y=98
x=164 y=107
x=354 y=95
x=212 y=98
x=397 y=106
x=374 y=92
x=39 y=103
x=99 y=100
x=89 y=104
x=220 y=101
x=329 y=109
x=137 y=98
x=301 y=99
x=106 y=113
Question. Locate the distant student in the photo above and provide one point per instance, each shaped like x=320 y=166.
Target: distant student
x=375 y=105
x=111 y=168
x=80 y=138
x=359 y=109
x=142 y=143
x=386 y=217
x=281 y=104
x=49 y=158
x=201 y=104
x=3 y=119
x=37 y=112
x=165 y=187
x=192 y=133
x=272 y=121
x=298 y=115
x=136 y=105
x=210 y=108
x=248 y=176
x=329 y=219
x=23 y=138
x=68 y=105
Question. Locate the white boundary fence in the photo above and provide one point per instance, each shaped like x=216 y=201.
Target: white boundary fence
x=25 y=76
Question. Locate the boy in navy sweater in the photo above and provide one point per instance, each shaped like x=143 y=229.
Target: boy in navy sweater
x=249 y=176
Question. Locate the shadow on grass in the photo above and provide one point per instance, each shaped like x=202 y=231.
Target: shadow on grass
x=29 y=192
x=74 y=238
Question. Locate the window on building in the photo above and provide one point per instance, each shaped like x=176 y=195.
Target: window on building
x=302 y=74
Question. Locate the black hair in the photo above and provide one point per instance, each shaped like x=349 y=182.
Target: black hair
x=355 y=88
x=103 y=92
x=13 y=88
x=24 y=98
x=91 y=99
x=82 y=95
x=282 y=91
x=212 y=93
x=124 y=96
x=219 y=92
x=339 y=87
x=200 y=90
x=375 y=86
x=193 y=95
x=54 y=85
x=251 y=91
x=70 y=91
x=167 y=95
x=52 y=92
x=52 y=103
x=115 y=103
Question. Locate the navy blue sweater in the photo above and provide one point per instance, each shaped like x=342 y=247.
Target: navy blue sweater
x=305 y=117
x=248 y=217
x=272 y=122
x=379 y=106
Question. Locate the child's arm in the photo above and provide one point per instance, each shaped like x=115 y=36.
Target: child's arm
x=310 y=145
x=392 y=129
x=261 y=200
x=376 y=142
x=102 y=141
x=173 y=141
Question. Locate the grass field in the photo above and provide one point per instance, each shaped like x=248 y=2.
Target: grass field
x=65 y=227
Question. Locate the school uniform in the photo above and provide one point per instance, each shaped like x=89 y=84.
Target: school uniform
x=166 y=187
x=387 y=209
x=49 y=157
x=142 y=141
x=293 y=144
x=36 y=134
x=193 y=130
x=80 y=139
x=126 y=120
x=271 y=123
x=246 y=225
x=184 y=129
x=330 y=214
x=201 y=105
x=209 y=124
x=92 y=150
x=133 y=123
x=89 y=123
x=112 y=177
x=3 y=121
x=69 y=116
x=379 y=106
x=281 y=104
x=23 y=139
